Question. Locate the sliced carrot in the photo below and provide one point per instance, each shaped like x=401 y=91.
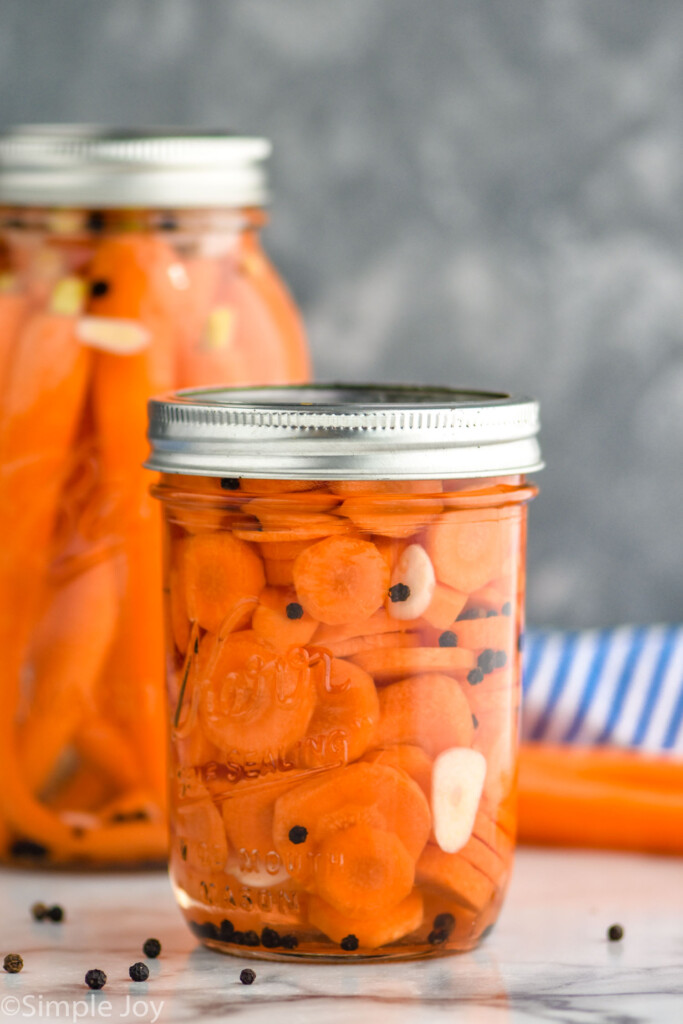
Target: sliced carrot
x=280 y=620
x=390 y=517
x=392 y=924
x=381 y=487
x=255 y=701
x=279 y=573
x=341 y=578
x=453 y=874
x=409 y=759
x=344 y=719
x=219 y=572
x=429 y=711
x=177 y=604
x=267 y=487
x=248 y=810
x=495 y=631
x=199 y=833
x=482 y=857
x=379 y=622
x=359 y=644
x=466 y=549
x=445 y=606
x=82 y=791
x=363 y=870
x=360 y=793
x=489 y=832
x=281 y=551
x=388 y=664
x=128 y=842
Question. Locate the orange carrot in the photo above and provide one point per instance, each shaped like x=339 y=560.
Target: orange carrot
x=70 y=646
x=614 y=799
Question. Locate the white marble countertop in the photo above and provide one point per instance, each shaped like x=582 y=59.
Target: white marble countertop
x=547 y=960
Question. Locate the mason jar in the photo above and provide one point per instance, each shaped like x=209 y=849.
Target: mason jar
x=130 y=263
x=344 y=583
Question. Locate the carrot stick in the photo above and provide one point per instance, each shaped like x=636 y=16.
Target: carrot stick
x=107 y=750
x=69 y=651
x=608 y=798
x=43 y=401
x=134 y=280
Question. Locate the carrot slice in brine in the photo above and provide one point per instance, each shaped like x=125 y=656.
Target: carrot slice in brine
x=429 y=711
x=340 y=579
x=360 y=793
x=454 y=874
x=372 y=931
x=345 y=716
x=255 y=702
x=220 y=571
x=280 y=620
x=363 y=870
x=392 y=663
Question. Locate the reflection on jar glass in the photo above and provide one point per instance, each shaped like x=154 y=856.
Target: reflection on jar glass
x=344 y=667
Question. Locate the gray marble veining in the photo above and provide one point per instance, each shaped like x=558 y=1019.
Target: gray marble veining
x=547 y=960
x=475 y=191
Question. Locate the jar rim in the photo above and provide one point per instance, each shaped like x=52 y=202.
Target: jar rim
x=344 y=431
x=87 y=165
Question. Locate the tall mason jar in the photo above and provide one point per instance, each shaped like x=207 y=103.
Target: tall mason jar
x=130 y=264
x=344 y=581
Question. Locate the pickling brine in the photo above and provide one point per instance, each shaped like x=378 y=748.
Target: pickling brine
x=344 y=681
x=105 y=300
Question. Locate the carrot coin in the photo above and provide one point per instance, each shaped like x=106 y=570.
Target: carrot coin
x=429 y=711
x=391 y=663
x=363 y=870
x=345 y=716
x=372 y=931
x=455 y=875
x=280 y=620
x=219 y=572
x=254 y=701
x=466 y=552
x=367 y=794
x=341 y=578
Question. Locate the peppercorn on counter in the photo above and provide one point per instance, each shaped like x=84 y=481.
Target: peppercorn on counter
x=549 y=958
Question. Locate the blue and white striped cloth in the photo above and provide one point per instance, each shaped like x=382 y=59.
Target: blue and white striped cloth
x=622 y=686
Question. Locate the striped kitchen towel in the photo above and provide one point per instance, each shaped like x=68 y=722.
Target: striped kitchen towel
x=622 y=686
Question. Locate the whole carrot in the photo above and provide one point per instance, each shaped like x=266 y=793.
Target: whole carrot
x=600 y=797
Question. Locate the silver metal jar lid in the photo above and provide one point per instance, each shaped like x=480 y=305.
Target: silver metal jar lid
x=337 y=432
x=88 y=166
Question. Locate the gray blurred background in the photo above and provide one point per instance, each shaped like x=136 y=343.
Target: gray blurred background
x=480 y=192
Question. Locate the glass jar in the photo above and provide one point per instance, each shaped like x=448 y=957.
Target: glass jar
x=344 y=580
x=130 y=264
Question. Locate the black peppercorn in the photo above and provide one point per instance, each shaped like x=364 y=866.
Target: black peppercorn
x=98 y=288
x=475 y=676
x=294 y=610
x=499 y=659
x=13 y=963
x=475 y=721
x=270 y=938
x=437 y=936
x=485 y=661
x=289 y=942
x=615 y=933
x=38 y=910
x=151 y=948
x=95 y=979
x=448 y=639
x=230 y=483
x=349 y=943
x=96 y=221
x=444 y=923
x=28 y=848
x=251 y=938
x=298 y=834
x=507 y=608
x=399 y=592
x=55 y=913
x=138 y=971
x=247 y=976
